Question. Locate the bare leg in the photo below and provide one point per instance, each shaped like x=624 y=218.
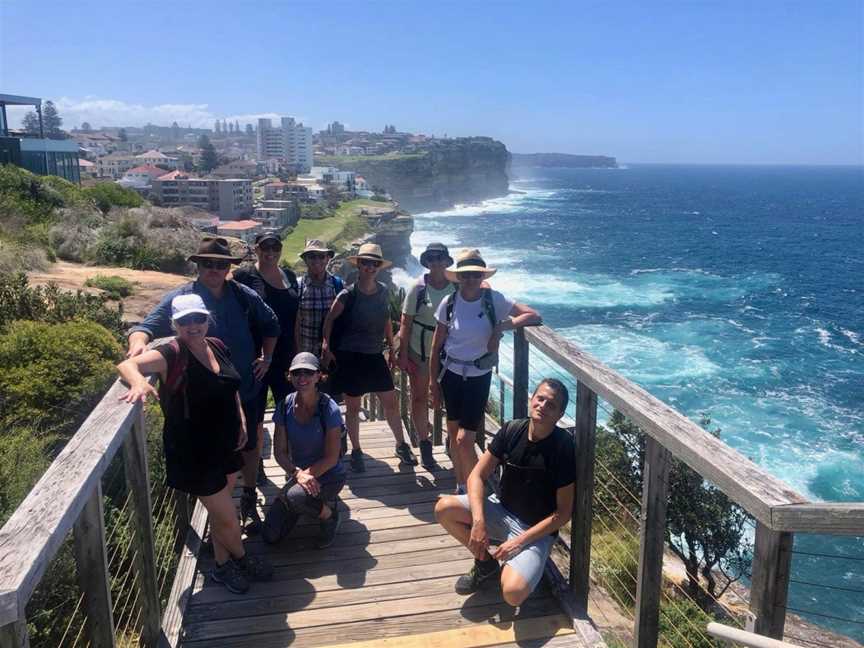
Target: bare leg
x=352 y=419
x=454 y=517
x=452 y=432
x=419 y=379
x=466 y=452
x=391 y=413
x=250 y=466
x=514 y=588
x=224 y=526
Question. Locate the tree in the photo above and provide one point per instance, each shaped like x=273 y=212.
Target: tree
x=31 y=123
x=86 y=127
x=122 y=135
x=209 y=159
x=52 y=121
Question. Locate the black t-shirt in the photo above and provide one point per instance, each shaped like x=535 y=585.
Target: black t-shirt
x=283 y=301
x=533 y=471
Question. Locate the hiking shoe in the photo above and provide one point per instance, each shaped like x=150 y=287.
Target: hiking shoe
x=358 y=464
x=249 y=510
x=481 y=572
x=255 y=568
x=261 y=480
x=231 y=576
x=278 y=522
x=329 y=527
x=426 y=458
x=403 y=451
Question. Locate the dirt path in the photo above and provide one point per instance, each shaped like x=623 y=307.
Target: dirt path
x=149 y=285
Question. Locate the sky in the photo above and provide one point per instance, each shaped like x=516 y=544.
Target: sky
x=755 y=82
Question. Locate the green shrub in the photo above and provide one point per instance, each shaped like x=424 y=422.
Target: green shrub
x=23 y=459
x=615 y=561
x=683 y=623
x=53 y=374
x=109 y=194
x=115 y=286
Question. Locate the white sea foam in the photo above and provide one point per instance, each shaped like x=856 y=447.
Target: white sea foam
x=852 y=336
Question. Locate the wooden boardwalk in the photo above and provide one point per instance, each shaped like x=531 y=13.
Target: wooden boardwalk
x=386 y=581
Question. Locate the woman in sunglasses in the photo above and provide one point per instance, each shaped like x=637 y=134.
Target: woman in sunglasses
x=307 y=444
x=469 y=327
x=361 y=318
x=204 y=429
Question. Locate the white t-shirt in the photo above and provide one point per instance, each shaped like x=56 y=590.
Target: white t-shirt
x=470 y=329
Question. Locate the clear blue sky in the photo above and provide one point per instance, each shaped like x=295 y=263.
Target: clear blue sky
x=753 y=82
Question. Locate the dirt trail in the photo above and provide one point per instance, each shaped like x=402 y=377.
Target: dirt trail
x=149 y=285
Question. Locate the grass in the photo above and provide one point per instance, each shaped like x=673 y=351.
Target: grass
x=117 y=287
x=339 y=229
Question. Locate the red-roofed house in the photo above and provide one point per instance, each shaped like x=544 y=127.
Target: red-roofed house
x=140 y=177
x=175 y=175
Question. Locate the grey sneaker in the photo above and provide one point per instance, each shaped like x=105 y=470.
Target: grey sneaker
x=278 y=522
x=426 y=458
x=403 y=451
x=329 y=528
x=255 y=568
x=358 y=464
x=231 y=576
x=481 y=572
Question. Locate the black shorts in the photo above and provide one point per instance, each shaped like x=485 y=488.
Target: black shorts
x=275 y=380
x=250 y=413
x=465 y=399
x=361 y=373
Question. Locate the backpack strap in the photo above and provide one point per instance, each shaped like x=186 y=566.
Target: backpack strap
x=448 y=309
x=421 y=293
x=338 y=284
x=489 y=307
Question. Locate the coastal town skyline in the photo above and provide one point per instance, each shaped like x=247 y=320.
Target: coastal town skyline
x=676 y=83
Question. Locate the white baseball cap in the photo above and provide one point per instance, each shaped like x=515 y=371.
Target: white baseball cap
x=183 y=305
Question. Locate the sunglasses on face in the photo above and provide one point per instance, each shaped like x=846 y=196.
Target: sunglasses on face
x=369 y=263
x=212 y=264
x=314 y=256
x=194 y=318
x=271 y=247
x=434 y=258
x=303 y=373
x=470 y=275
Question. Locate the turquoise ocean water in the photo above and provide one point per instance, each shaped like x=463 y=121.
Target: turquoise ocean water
x=736 y=292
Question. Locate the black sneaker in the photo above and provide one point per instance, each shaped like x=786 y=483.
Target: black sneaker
x=481 y=572
x=249 y=510
x=261 y=480
x=426 y=458
x=278 y=522
x=403 y=451
x=255 y=568
x=329 y=527
x=231 y=576
x=358 y=464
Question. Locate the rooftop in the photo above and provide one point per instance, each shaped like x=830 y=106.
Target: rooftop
x=238 y=225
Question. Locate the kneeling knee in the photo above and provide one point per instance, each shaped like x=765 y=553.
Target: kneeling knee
x=515 y=596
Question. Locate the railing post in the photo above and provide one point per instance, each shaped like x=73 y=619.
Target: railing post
x=520 y=374
x=652 y=537
x=580 y=524
x=138 y=482
x=91 y=562
x=769 y=588
x=404 y=412
x=437 y=427
x=15 y=635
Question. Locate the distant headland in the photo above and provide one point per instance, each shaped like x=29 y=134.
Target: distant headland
x=563 y=160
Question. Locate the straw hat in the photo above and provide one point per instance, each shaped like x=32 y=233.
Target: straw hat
x=469 y=261
x=370 y=251
x=314 y=245
x=212 y=247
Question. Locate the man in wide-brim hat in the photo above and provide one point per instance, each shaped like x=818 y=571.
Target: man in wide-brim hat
x=238 y=317
x=316 y=246
x=318 y=289
x=371 y=252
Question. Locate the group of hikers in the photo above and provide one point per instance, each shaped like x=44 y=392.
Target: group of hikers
x=311 y=341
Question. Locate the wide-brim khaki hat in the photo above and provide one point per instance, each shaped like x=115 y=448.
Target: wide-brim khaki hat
x=370 y=251
x=314 y=245
x=469 y=260
x=212 y=247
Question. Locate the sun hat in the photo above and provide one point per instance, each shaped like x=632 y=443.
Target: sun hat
x=370 y=251
x=314 y=245
x=469 y=261
x=435 y=248
x=214 y=247
x=305 y=360
x=268 y=236
x=183 y=305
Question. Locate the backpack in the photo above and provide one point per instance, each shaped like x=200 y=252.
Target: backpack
x=422 y=293
x=175 y=378
x=321 y=412
x=342 y=324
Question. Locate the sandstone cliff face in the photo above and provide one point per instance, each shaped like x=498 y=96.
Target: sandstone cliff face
x=392 y=231
x=450 y=172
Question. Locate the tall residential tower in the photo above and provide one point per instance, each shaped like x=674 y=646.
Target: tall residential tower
x=291 y=142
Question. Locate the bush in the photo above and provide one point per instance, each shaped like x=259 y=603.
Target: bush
x=615 y=559
x=115 y=286
x=23 y=459
x=53 y=374
x=683 y=623
x=106 y=195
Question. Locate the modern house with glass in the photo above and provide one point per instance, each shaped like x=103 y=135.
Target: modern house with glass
x=37 y=154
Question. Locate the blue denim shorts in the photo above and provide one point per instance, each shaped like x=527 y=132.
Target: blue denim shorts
x=501 y=525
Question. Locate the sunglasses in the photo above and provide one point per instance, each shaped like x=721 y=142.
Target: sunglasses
x=470 y=275
x=194 y=318
x=369 y=263
x=272 y=247
x=303 y=373
x=314 y=256
x=212 y=264
x=432 y=258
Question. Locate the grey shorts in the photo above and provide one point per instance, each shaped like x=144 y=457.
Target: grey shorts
x=501 y=525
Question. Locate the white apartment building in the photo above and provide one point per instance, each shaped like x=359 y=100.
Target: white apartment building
x=230 y=199
x=291 y=142
x=115 y=165
x=157 y=158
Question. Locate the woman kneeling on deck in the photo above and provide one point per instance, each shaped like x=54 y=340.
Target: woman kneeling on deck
x=307 y=444
x=204 y=429
x=469 y=326
x=539 y=468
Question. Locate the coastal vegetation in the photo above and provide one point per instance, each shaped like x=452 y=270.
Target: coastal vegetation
x=114 y=287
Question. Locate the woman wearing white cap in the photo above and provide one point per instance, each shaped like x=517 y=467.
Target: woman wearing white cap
x=469 y=328
x=204 y=429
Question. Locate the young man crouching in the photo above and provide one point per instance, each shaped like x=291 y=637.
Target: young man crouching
x=536 y=499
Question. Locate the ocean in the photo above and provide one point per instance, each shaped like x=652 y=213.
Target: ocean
x=733 y=292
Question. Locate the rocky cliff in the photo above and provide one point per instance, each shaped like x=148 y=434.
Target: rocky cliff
x=446 y=173
x=563 y=160
x=392 y=231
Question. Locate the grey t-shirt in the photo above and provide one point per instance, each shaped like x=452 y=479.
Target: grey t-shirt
x=367 y=319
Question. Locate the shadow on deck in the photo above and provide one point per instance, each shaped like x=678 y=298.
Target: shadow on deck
x=386 y=581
